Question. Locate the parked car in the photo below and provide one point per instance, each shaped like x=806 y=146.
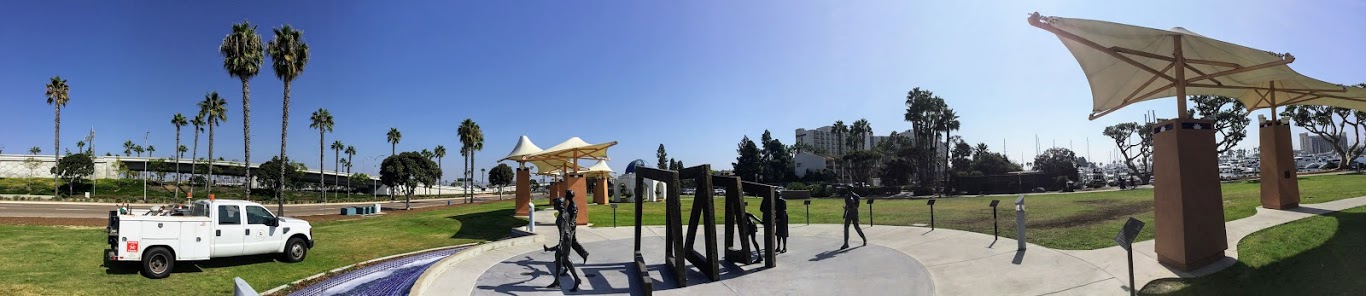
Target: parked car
x=207 y=229
x=689 y=191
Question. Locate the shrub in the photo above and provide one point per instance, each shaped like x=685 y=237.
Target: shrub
x=796 y=186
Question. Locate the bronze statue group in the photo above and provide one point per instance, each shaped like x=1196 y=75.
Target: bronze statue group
x=566 y=213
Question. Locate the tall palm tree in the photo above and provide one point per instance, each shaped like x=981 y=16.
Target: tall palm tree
x=337 y=147
x=214 y=109
x=350 y=153
x=322 y=121
x=178 y=120
x=242 y=57
x=288 y=56
x=948 y=123
x=839 y=130
x=58 y=94
x=393 y=137
x=139 y=150
x=80 y=146
x=440 y=152
x=198 y=123
x=128 y=148
x=471 y=140
x=150 y=149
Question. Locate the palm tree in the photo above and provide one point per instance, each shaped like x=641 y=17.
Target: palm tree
x=242 y=57
x=80 y=146
x=471 y=140
x=350 y=153
x=139 y=150
x=178 y=120
x=58 y=94
x=337 y=147
x=128 y=148
x=214 y=109
x=948 y=123
x=199 y=124
x=393 y=137
x=35 y=150
x=440 y=152
x=839 y=130
x=150 y=149
x=321 y=120
x=288 y=56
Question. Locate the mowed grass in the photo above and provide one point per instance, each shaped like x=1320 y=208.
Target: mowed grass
x=46 y=260
x=1077 y=221
x=1313 y=256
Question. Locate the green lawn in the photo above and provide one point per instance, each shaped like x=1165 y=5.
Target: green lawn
x=130 y=190
x=1314 y=256
x=1063 y=221
x=45 y=260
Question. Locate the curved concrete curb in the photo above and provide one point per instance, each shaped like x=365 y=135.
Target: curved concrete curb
x=339 y=269
x=431 y=274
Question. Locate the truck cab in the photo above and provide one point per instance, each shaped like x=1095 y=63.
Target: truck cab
x=206 y=229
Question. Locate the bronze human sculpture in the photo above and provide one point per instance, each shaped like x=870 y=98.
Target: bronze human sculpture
x=851 y=201
x=568 y=241
x=780 y=222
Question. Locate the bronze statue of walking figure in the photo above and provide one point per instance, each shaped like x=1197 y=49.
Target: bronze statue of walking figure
x=560 y=219
x=567 y=230
x=851 y=217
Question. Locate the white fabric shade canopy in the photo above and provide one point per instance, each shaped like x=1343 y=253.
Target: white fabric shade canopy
x=524 y=147
x=599 y=169
x=573 y=148
x=1126 y=64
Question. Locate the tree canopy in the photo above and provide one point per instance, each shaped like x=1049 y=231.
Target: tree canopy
x=501 y=175
x=408 y=170
x=748 y=165
x=269 y=173
x=1057 y=162
x=74 y=168
x=1229 y=116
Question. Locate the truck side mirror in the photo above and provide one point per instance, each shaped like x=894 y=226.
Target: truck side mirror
x=273 y=222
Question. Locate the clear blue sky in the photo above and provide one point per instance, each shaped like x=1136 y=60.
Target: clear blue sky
x=705 y=72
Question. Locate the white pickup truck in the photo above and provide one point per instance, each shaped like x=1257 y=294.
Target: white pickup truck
x=207 y=229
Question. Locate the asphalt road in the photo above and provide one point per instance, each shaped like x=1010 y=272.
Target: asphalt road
x=100 y=210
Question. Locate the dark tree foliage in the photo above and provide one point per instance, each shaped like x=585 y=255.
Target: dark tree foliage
x=990 y=163
x=663 y=157
x=1135 y=143
x=269 y=174
x=501 y=175
x=1057 y=162
x=73 y=168
x=777 y=161
x=1229 y=116
x=862 y=164
x=1341 y=127
x=408 y=170
x=748 y=165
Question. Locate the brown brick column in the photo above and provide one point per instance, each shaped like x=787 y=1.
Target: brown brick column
x=577 y=183
x=523 y=191
x=1280 y=186
x=555 y=190
x=1188 y=206
x=600 y=191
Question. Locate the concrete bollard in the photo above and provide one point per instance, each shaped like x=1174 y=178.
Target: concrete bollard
x=531 y=217
x=1020 y=222
x=377 y=208
x=241 y=288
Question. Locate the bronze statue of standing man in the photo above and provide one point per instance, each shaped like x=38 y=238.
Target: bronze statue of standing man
x=851 y=217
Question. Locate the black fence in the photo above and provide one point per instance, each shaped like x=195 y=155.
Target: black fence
x=1007 y=184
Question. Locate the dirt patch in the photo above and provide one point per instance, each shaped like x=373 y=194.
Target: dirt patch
x=80 y=222
x=1104 y=211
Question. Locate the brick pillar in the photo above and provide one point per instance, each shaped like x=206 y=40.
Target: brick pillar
x=1280 y=186
x=577 y=183
x=555 y=189
x=600 y=191
x=1188 y=209
x=523 y=191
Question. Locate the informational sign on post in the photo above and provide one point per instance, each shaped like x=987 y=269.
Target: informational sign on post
x=1125 y=239
x=995 y=224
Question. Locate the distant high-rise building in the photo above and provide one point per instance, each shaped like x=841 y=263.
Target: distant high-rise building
x=1316 y=144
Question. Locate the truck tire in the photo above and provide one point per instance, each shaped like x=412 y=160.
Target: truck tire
x=295 y=250
x=157 y=263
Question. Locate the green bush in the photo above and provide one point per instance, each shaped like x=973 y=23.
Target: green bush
x=796 y=186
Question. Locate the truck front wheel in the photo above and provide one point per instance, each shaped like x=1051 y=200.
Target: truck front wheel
x=295 y=250
x=157 y=263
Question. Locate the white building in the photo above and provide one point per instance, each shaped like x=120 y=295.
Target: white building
x=1316 y=144
x=807 y=162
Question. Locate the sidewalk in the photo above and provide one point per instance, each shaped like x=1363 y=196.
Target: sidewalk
x=959 y=262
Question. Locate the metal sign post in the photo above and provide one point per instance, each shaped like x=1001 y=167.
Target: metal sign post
x=1125 y=239
x=870 y=212
x=808 y=211
x=1020 y=223
x=530 y=216
x=614 y=215
x=931 y=203
x=995 y=223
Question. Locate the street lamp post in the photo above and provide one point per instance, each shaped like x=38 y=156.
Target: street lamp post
x=145 y=164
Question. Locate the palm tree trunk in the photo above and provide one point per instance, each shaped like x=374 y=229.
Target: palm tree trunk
x=177 y=161
x=208 y=186
x=56 y=146
x=194 y=159
x=246 y=133
x=336 y=165
x=284 y=136
x=322 y=171
x=438 y=181
x=472 y=175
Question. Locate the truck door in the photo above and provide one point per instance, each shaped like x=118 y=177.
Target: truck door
x=229 y=233
x=262 y=238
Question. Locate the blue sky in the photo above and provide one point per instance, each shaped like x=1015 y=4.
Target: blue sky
x=703 y=73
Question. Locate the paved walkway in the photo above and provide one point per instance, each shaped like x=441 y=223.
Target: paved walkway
x=959 y=262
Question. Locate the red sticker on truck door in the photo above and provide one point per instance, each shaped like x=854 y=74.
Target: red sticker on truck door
x=133 y=246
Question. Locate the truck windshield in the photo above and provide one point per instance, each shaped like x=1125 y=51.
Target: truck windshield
x=200 y=209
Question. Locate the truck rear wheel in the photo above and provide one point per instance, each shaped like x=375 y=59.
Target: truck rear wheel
x=295 y=250
x=157 y=263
